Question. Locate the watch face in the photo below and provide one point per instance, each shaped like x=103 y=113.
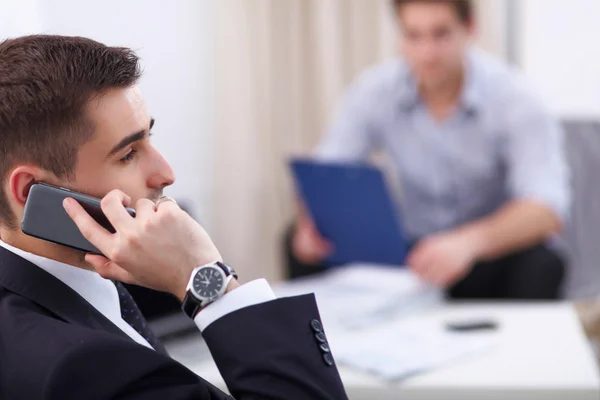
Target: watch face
x=208 y=282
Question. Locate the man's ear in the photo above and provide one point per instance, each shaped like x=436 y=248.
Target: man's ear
x=472 y=28
x=20 y=181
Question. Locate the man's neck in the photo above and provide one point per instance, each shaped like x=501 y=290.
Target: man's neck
x=44 y=249
x=442 y=99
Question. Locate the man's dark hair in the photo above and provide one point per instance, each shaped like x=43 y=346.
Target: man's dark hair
x=464 y=8
x=45 y=83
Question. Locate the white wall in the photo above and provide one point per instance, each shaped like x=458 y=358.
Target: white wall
x=559 y=51
x=174 y=41
x=492 y=26
x=19 y=18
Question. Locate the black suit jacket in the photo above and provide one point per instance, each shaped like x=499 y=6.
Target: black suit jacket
x=55 y=346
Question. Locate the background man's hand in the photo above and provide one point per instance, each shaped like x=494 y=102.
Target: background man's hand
x=443 y=259
x=157 y=249
x=308 y=245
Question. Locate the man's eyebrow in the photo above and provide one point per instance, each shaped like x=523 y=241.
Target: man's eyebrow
x=126 y=141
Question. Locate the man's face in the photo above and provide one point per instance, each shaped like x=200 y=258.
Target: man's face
x=434 y=40
x=120 y=155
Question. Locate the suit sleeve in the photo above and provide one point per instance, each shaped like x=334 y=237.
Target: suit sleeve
x=534 y=154
x=277 y=350
x=267 y=351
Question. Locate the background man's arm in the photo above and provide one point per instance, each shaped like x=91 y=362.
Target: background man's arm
x=518 y=225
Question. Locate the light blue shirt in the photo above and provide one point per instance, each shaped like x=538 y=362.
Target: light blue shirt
x=500 y=144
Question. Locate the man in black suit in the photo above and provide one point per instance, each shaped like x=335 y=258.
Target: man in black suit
x=71 y=115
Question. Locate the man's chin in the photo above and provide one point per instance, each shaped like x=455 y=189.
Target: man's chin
x=154 y=199
x=433 y=79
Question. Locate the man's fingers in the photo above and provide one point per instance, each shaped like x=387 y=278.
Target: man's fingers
x=427 y=273
x=415 y=254
x=168 y=207
x=324 y=245
x=327 y=247
x=95 y=260
x=109 y=270
x=454 y=277
x=448 y=281
x=321 y=247
x=113 y=206
x=304 y=219
x=411 y=261
x=126 y=199
x=88 y=227
x=416 y=260
x=144 y=208
x=307 y=251
x=439 y=272
x=422 y=264
x=443 y=281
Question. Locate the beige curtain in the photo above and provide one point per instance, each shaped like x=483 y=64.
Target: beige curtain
x=281 y=66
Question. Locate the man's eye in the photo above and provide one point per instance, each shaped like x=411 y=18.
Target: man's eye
x=442 y=34
x=128 y=157
x=413 y=37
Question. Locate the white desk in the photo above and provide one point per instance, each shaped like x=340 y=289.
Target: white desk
x=540 y=353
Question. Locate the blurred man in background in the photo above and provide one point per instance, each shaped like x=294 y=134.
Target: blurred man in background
x=484 y=180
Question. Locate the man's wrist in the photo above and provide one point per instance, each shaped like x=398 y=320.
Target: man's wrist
x=475 y=237
x=233 y=284
x=181 y=289
x=180 y=294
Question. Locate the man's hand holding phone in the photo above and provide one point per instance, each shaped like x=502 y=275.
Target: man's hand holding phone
x=158 y=249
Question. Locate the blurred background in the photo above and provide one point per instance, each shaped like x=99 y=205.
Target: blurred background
x=238 y=87
x=282 y=67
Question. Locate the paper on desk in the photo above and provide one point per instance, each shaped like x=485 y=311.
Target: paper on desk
x=371 y=315
x=401 y=350
x=363 y=295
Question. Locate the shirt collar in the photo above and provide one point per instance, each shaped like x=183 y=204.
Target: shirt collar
x=99 y=292
x=470 y=98
x=407 y=91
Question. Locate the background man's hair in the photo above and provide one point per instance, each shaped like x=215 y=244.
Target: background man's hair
x=45 y=83
x=464 y=8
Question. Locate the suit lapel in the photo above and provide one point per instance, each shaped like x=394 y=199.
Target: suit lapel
x=27 y=280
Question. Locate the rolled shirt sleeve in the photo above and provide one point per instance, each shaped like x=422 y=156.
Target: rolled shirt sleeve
x=535 y=155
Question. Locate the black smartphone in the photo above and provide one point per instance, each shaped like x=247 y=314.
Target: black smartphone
x=45 y=218
x=472 y=326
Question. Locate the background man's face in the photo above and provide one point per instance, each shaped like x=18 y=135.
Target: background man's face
x=434 y=40
x=120 y=155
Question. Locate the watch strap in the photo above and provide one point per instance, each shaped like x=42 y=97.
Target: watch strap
x=227 y=269
x=191 y=305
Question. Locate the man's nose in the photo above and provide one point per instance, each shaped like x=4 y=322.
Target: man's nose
x=162 y=175
x=428 y=52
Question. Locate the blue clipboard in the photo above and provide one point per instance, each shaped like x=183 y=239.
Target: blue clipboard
x=352 y=207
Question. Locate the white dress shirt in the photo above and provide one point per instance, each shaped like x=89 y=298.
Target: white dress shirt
x=103 y=296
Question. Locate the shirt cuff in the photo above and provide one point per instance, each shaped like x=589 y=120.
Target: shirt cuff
x=249 y=294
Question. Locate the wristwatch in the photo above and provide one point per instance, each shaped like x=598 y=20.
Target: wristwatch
x=207 y=284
